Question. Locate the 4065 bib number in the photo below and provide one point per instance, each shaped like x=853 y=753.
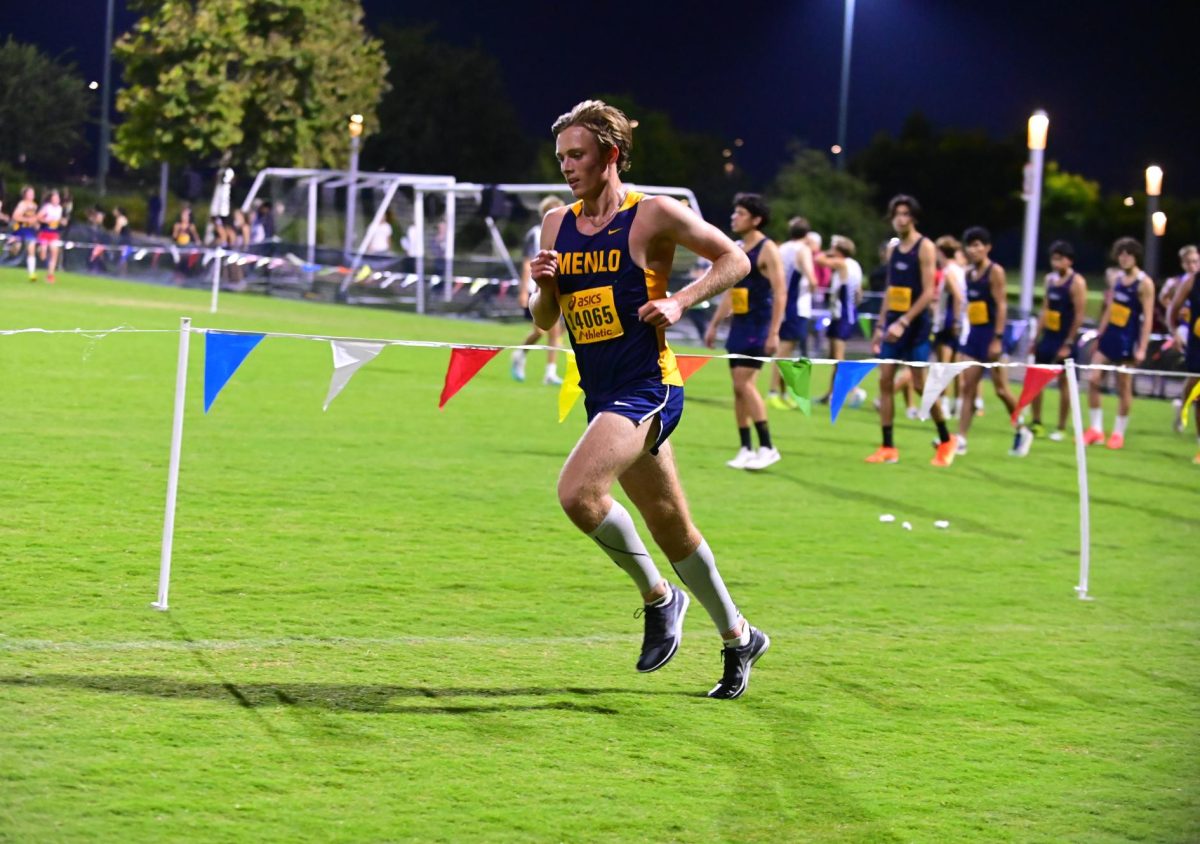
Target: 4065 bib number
x=591 y=315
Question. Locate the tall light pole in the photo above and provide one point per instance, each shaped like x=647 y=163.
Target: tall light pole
x=355 y=128
x=1039 y=124
x=105 y=96
x=1154 y=180
x=844 y=98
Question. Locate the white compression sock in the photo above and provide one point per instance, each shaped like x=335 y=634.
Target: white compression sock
x=618 y=536
x=1120 y=425
x=1098 y=418
x=31 y=262
x=698 y=571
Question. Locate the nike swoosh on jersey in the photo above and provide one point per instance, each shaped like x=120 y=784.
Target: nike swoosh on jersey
x=614 y=231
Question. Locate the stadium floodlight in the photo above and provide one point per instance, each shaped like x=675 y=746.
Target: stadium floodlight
x=1154 y=182
x=1159 y=222
x=355 y=128
x=1038 y=127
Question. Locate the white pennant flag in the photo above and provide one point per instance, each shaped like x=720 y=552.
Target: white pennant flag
x=348 y=356
x=939 y=377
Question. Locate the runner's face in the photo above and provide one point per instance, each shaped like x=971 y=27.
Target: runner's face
x=740 y=221
x=1126 y=261
x=1060 y=265
x=977 y=252
x=580 y=160
x=1191 y=263
x=902 y=220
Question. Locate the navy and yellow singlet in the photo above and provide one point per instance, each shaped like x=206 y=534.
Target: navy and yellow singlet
x=600 y=290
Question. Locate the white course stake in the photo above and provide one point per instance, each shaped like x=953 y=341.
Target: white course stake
x=164 y=570
x=218 y=262
x=1081 y=463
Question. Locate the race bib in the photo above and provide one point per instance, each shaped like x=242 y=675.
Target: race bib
x=740 y=297
x=899 y=298
x=977 y=313
x=591 y=315
x=1053 y=321
x=1119 y=315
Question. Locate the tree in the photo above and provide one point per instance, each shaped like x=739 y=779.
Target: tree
x=833 y=202
x=247 y=82
x=43 y=107
x=1069 y=201
x=961 y=178
x=447 y=112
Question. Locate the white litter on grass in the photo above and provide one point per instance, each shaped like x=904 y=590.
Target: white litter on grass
x=941 y=523
x=906 y=525
x=887 y=517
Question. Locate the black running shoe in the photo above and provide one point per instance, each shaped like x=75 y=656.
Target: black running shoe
x=664 y=630
x=737 y=665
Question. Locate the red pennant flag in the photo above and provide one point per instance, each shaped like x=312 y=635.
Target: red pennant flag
x=1036 y=379
x=464 y=365
x=690 y=364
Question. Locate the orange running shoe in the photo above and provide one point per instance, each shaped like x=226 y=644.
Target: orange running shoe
x=945 y=453
x=1196 y=459
x=885 y=454
x=1092 y=436
x=1116 y=441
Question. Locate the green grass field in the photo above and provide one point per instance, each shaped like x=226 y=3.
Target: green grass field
x=383 y=628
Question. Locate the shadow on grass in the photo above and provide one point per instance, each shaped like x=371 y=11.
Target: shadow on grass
x=336 y=697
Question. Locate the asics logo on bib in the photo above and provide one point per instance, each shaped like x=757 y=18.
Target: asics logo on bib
x=596 y=261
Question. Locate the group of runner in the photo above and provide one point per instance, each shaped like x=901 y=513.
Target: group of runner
x=36 y=230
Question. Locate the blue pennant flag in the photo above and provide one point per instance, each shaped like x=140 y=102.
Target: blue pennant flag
x=223 y=354
x=849 y=374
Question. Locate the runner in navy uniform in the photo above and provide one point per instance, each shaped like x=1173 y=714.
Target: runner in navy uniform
x=1124 y=334
x=1185 y=312
x=1063 y=309
x=903 y=329
x=757 y=304
x=603 y=266
x=987 y=311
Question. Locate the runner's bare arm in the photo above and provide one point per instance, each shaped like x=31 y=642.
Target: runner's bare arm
x=543 y=269
x=671 y=221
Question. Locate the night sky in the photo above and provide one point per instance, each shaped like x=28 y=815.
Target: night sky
x=1118 y=79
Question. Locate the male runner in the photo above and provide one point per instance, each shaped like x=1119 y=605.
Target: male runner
x=25 y=228
x=1185 y=313
x=1063 y=310
x=902 y=331
x=757 y=304
x=1124 y=332
x=532 y=245
x=603 y=266
x=987 y=312
x=797 y=258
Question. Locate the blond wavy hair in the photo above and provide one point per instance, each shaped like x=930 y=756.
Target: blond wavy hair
x=608 y=123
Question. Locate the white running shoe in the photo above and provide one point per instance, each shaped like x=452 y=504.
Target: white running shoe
x=912 y=412
x=961 y=445
x=744 y=456
x=763 y=458
x=1056 y=436
x=552 y=379
x=518 y=365
x=1021 y=442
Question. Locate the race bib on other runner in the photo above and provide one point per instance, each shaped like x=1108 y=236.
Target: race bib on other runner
x=899 y=298
x=591 y=315
x=740 y=297
x=1119 y=315
x=1053 y=321
x=977 y=313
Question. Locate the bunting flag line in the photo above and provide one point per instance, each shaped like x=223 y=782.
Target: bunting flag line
x=848 y=375
x=797 y=374
x=1193 y=396
x=570 y=391
x=1036 y=379
x=348 y=358
x=939 y=377
x=689 y=365
x=465 y=363
x=864 y=324
x=223 y=354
